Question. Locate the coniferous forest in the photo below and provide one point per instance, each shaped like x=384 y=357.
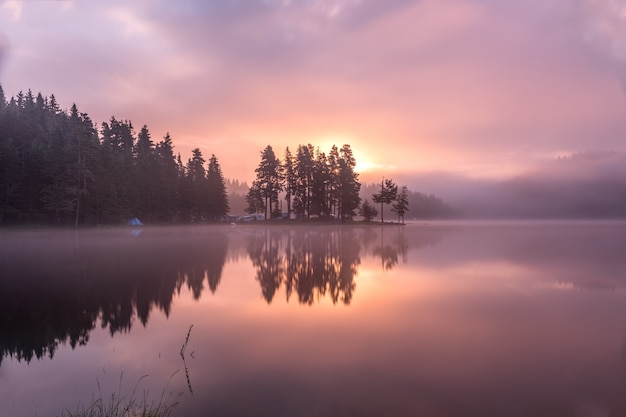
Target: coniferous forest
x=57 y=168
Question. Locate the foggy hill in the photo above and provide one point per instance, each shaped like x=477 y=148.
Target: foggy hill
x=588 y=185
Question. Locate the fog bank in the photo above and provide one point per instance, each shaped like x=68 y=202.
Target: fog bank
x=582 y=185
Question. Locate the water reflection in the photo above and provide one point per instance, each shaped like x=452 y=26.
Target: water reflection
x=312 y=264
x=56 y=286
x=450 y=319
x=114 y=276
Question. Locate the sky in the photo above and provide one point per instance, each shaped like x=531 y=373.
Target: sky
x=466 y=89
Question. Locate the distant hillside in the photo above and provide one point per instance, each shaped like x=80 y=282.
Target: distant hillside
x=237 y=191
x=236 y=186
x=582 y=186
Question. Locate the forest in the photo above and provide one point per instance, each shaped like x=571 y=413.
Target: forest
x=57 y=168
x=314 y=185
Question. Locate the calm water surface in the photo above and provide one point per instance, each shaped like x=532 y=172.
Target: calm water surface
x=439 y=319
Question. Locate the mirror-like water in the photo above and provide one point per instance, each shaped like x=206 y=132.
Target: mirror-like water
x=507 y=319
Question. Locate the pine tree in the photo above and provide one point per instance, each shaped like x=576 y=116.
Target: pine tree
x=401 y=205
x=367 y=211
x=268 y=179
x=146 y=201
x=333 y=192
x=320 y=180
x=304 y=180
x=218 y=197
x=349 y=185
x=119 y=189
x=255 y=199
x=197 y=190
x=167 y=175
x=3 y=100
x=387 y=195
x=289 y=178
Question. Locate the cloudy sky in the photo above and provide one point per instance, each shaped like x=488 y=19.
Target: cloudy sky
x=475 y=88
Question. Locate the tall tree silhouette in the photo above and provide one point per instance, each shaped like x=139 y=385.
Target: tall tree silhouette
x=289 y=178
x=348 y=184
x=268 y=180
x=304 y=179
x=401 y=204
x=218 y=197
x=387 y=194
x=167 y=180
x=196 y=189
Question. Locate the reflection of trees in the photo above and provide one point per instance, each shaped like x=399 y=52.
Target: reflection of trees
x=311 y=263
x=54 y=288
x=268 y=262
x=389 y=249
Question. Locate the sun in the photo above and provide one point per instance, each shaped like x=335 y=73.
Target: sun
x=365 y=166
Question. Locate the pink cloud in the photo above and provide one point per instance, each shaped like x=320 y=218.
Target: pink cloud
x=479 y=87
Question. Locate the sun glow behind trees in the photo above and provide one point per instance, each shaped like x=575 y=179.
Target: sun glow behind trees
x=319 y=185
x=57 y=167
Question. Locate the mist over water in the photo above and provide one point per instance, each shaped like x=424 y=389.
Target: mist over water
x=439 y=318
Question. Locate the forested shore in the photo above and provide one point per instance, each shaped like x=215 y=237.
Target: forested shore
x=58 y=168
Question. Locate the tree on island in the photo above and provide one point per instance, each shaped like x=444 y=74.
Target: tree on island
x=315 y=184
x=304 y=180
x=401 y=204
x=288 y=176
x=387 y=195
x=367 y=211
x=348 y=184
x=268 y=180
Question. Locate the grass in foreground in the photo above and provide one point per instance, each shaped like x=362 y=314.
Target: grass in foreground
x=119 y=406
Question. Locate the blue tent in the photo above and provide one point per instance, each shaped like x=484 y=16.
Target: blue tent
x=135 y=222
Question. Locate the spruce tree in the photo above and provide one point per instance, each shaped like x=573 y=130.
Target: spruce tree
x=3 y=99
x=255 y=199
x=218 y=197
x=333 y=192
x=367 y=211
x=167 y=180
x=145 y=179
x=401 y=205
x=349 y=185
x=304 y=180
x=319 y=186
x=268 y=179
x=387 y=195
x=289 y=178
x=196 y=187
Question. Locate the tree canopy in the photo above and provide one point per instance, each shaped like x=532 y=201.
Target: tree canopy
x=314 y=185
x=57 y=167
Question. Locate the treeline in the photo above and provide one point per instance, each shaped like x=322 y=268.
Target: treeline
x=313 y=184
x=56 y=167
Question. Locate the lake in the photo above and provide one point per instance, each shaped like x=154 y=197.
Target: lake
x=429 y=319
